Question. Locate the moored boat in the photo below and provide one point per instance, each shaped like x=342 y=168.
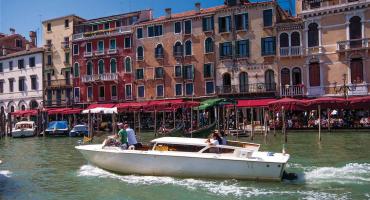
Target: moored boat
x=190 y=157
x=24 y=129
x=203 y=132
x=57 y=128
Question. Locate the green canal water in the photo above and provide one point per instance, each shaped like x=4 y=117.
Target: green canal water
x=50 y=168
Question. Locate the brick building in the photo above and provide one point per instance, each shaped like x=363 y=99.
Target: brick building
x=13 y=42
x=102 y=57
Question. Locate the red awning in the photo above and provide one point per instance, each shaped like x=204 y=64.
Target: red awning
x=167 y=104
x=92 y=106
x=288 y=104
x=133 y=106
x=24 y=113
x=360 y=102
x=254 y=103
x=327 y=102
x=56 y=111
x=71 y=111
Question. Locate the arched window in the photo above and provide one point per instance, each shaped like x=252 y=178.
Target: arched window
x=243 y=82
x=313 y=35
x=178 y=49
x=270 y=80
x=76 y=70
x=33 y=104
x=285 y=77
x=355 y=32
x=284 y=40
x=140 y=53
x=357 y=73
x=101 y=67
x=128 y=65
x=296 y=76
x=295 y=39
x=209 y=45
x=90 y=70
x=159 y=51
x=12 y=108
x=113 y=66
x=188 y=48
x=2 y=109
x=23 y=107
x=314 y=74
x=226 y=81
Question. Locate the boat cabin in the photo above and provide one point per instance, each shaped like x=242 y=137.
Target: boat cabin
x=197 y=145
x=25 y=125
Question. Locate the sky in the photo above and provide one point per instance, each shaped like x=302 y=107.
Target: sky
x=27 y=15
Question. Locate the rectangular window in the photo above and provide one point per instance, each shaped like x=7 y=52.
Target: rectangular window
x=48 y=27
x=1 y=67
x=208 y=70
x=89 y=47
x=177 y=27
x=160 y=91
x=66 y=57
x=101 y=46
x=187 y=26
x=139 y=74
x=178 y=89
x=139 y=33
x=189 y=89
x=101 y=92
x=268 y=46
x=75 y=49
x=90 y=93
x=226 y=50
x=127 y=42
x=11 y=85
x=112 y=44
x=208 y=24
x=224 y=24
x=118 y=23
x=128 y=91
x=210 y=87
x=141 y=91
x=114 y=92
x=154 y=31
x=242 y=48
x=21 y=64
x=33 y=83
x=95 y=27
x=10 y=65
x=31 y=61
x=241 y=21
x=188 y=72
x=1 y=86
x=18 y=43
x=21 y=84
x=159 y=73
x=178 y=71
x=76 y=94
x=267 y=18
x=150 y=31
x=106 y=25
x=66 y=23
x=49 y=60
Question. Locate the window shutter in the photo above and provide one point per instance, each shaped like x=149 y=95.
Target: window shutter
x=204 y=24
x=247 y=47
x=220 y=24
x=274 y=45
x=246 y=23
x=263 y=46
x=212 y=23
x=220 y=49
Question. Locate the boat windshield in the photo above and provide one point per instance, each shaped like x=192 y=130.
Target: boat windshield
x=23 y=126
x=177 y=147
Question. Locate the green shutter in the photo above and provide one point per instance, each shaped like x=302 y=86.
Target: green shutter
x=262 y=46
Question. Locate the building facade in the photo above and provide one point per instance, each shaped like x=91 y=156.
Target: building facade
x=103 y=54
x=21 y=85
x=57 y=39
x=13 y=42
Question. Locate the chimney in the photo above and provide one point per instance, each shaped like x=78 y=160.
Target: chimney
x=4 y=51
x=197 y=7
x=168 y=12
x=12 y=31
x=27 y=46
x=33 y=39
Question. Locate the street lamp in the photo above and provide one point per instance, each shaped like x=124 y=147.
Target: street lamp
x=345 y=88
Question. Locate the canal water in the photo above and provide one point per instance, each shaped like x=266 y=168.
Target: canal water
x=50 y=168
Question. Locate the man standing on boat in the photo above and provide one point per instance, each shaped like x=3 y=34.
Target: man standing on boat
x=131 y=137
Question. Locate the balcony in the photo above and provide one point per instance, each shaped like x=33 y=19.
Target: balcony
x=226 y=57
x=58 y=83
x=99 y=52
x=112 y=51
x=159 y=56
x=102 y=33
x=355 y=44
x=87 y=54
x=139 y=58
x=65 y=46
x=295 y=90
x=314 y=50
x=48 y=47
x=100 y=77
x=290 y=51
x=255 y=88
x=101 y=99
x=178 y=54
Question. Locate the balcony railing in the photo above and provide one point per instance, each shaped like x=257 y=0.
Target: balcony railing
x=102 y=33
x=288 y=90
x=112 y=51
x=314 y=50
x=87 y=54
x=58 y=83
x=100 y=77
x=290 y=51
x=178 y=54
x=159 y=56
x=99 y=52
x=65 y=45
x=48 y=47
x=353 y=44
x=247 y=88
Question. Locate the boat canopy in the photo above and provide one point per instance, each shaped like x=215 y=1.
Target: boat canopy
x=181 y=141
x=58 y=125
x=213 y=102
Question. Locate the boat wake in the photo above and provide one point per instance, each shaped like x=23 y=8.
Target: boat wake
x=351 y=173
x=5 y=173
x=225 y=188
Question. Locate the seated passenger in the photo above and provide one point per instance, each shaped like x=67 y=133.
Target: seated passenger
x=113 y=140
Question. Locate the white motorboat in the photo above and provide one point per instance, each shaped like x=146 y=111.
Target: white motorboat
x=190 y=157
x=24 y=129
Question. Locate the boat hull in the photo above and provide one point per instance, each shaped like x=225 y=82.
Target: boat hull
x=156 y=163
x=23 y=133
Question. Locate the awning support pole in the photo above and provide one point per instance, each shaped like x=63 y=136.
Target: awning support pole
x=319 y=110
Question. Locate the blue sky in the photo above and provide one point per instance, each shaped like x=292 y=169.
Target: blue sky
x=26 y=15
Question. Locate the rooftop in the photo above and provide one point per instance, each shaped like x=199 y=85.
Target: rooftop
x=63 y=17
x=22 y=53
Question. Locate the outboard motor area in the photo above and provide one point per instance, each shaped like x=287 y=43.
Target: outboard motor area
x=289 y=176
